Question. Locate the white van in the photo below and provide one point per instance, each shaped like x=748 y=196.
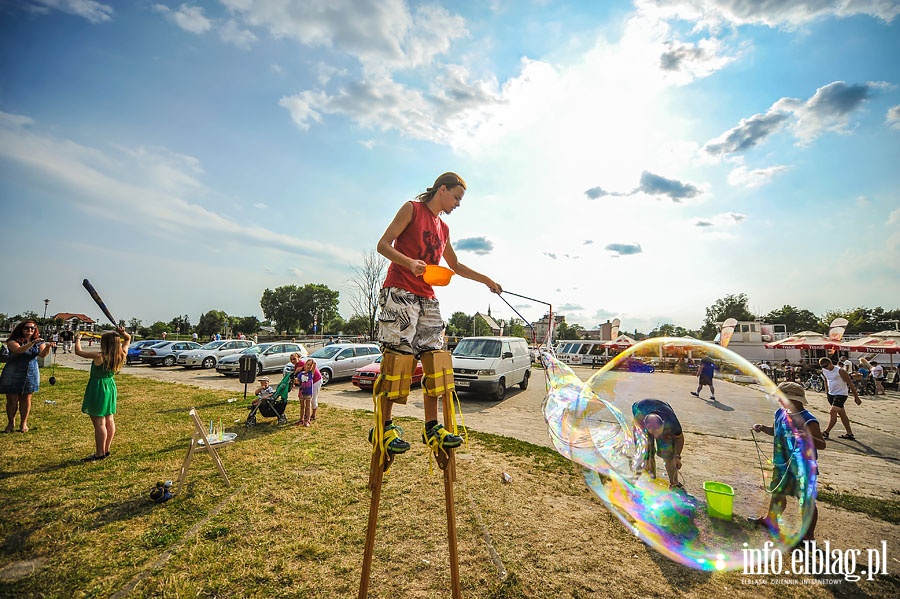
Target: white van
x=491 y=365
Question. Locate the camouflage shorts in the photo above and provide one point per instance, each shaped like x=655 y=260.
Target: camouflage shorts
x=408 y=323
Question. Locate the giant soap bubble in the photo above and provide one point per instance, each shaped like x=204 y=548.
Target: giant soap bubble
x=729 y=471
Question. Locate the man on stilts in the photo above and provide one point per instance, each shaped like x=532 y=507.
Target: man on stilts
x=410 y=327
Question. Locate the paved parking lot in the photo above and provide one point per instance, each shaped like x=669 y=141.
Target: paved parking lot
x=870 y=465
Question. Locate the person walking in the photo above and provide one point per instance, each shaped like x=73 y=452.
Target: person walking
x=878 y=375
x=101 y=392
x=21 y=377
x=838 y=386
x=705 y=375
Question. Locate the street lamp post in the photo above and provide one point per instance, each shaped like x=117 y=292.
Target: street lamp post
x=46 y=303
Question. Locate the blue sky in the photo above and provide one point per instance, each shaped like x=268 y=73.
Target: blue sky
x=623 y=160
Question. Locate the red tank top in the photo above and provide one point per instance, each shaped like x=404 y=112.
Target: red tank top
x=424 y=238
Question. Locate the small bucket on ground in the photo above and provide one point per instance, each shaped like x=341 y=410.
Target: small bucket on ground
x=719 y=499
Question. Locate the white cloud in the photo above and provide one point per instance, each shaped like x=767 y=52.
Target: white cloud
x=773 y=13
x=828 y=110
x=380 y=34
x=894 y=217
x=741 y=176
x=187 y=17
x=893 y=117
x=232 y=33
x=95 y=12
x=157 y=188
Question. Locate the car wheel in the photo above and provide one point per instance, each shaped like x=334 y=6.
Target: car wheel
x=500 y=393
x=524 y=384
x=169 y=361
x=258 y=369
x=209 y=362
x=326 y=377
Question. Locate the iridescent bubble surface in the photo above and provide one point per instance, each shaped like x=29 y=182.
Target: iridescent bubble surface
x=592 y=424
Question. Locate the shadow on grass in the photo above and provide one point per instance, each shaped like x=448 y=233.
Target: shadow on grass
x=183 y=410
x=42 y=469
x=678 y=576
x=122 y=510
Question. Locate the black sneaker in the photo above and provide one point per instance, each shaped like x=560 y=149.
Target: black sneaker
x=440 y=439
x=392 y=441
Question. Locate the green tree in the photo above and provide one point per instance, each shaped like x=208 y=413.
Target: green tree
x=157 y=328
x=210 y=323
x=358 y=324
x=731 y=306
x=460 y=325
x=293 y=308
x=180 y=324
x=567 y=331
x=338 y=324
x=794 y=319
x=245 y=324
x=134 y=325
x=669 y=330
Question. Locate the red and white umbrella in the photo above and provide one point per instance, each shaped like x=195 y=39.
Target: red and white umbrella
x=805 y=340
x=621 y=342
x=886 y=342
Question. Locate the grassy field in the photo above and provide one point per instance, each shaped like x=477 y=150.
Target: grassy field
x=293 y=521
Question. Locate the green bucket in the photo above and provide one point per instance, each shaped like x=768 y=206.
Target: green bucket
x=719 y=499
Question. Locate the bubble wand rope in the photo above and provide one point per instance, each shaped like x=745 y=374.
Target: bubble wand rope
x=763 y=471
x=530 y=326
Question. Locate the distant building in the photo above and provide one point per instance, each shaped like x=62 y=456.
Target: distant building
x=543 y=325
x=75 y=321
x=495 y=328
x=605 y=332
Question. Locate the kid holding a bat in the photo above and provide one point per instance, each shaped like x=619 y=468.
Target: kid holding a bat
x=101 y=392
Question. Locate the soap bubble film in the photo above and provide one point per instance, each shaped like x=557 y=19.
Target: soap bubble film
x=705 y=524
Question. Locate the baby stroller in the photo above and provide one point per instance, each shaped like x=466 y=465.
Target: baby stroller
x=274 y=405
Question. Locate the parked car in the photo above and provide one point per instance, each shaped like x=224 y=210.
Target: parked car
x=207 y=356
x=270 y=357
x=341 y=360
x=364 y=377
x=165 y=352
x=134 y=349
x=491 y=365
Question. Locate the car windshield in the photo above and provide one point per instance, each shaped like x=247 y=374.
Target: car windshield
x=254 y=349
x=326 y=353
x=477 y=348
x=160 y=343
x=213 y=345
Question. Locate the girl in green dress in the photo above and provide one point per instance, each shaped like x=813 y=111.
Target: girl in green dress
x=101 y=393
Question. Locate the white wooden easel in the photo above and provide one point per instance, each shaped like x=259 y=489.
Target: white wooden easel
x=199 y=442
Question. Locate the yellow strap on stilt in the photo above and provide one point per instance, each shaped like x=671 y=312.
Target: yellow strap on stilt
x=393 y=378
x=437 y=391
x=378 y=429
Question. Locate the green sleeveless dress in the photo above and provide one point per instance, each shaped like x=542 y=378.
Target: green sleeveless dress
x=101 y=393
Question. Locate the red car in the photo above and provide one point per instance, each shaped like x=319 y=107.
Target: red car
x=364 y=378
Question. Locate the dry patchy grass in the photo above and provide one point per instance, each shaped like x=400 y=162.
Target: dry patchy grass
x=293 y=523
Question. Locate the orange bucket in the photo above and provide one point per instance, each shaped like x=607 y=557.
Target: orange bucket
x=437 y=275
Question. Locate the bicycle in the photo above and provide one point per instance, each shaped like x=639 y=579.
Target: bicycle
x=815 y=381
x=864 y=385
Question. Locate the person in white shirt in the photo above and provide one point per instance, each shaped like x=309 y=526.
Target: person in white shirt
x=878 y=375
x=838 y=385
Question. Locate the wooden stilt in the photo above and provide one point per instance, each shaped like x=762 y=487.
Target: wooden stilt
x=439 y=364
x=376 y=476
x=449 y=468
